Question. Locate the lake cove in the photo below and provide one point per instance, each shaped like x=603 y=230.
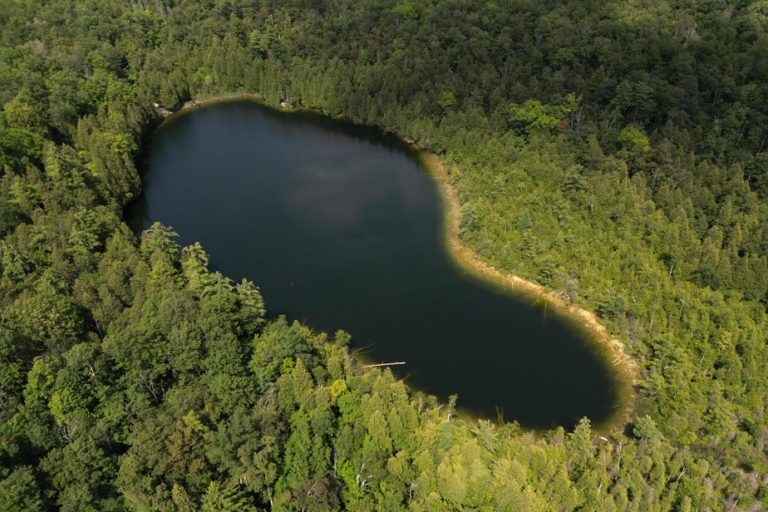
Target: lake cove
x=341 y=228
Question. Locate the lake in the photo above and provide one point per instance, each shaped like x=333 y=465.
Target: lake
x=340 y=227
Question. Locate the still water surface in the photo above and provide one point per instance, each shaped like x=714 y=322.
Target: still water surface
x=340 y=227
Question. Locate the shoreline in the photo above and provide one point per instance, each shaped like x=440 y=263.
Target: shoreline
x=624 y=367
x=199 y=103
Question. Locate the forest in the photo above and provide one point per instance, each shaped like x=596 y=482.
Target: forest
x=614 y=152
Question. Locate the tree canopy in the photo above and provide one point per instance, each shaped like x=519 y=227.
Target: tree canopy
x=612 y=151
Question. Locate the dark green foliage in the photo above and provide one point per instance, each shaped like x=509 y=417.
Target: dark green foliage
x=613 y=151
x=20 y=491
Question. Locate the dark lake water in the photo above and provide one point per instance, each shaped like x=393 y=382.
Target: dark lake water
x=340 y=227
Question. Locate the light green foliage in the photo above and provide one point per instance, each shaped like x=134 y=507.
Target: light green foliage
x=24 y=111
x=447 y=100
x=194 y=264
x=183 y=501
x=47 y=318
x=406 y=10
x=634 y=138
x=227 y=498
x=533 y=115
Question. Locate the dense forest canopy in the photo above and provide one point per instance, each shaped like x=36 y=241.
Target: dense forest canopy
x=613 y=151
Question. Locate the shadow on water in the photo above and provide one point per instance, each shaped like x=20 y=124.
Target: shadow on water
x=340 y=226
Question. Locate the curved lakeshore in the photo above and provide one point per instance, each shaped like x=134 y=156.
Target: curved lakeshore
x=466 y=258
x=611 y=350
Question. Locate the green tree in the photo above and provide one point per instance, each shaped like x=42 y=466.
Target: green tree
x=19 y=490
x=225 y=498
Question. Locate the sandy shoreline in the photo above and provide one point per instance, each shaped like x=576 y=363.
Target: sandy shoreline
x=625 y=368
